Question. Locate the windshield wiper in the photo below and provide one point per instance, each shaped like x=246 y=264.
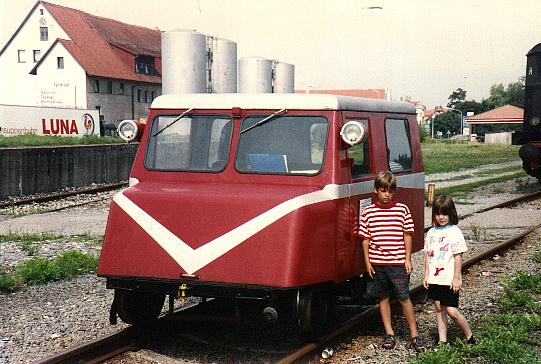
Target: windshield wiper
x=264 y=120
x=174 y=121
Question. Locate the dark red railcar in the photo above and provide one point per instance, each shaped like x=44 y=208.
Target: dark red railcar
x=255 y=196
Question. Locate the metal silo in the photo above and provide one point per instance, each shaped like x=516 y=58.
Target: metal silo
x=184 y=62
x=255 y=75
x=284 y=78
x=223 y=65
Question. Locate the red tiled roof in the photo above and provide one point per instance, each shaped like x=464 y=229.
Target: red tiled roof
x=93 y=38
x=376 y=93
x=502 y=114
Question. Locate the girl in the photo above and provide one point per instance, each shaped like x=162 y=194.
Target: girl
x=444 y=245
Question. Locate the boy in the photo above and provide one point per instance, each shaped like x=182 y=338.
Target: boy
x=386 y=229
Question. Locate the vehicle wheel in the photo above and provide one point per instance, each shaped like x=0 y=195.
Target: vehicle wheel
x=137 y=308
x=312 y=308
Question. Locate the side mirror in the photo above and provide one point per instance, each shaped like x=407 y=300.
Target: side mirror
x=352 y=133
x=130 y=130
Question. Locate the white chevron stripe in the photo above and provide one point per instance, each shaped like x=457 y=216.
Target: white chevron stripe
x=191 y=260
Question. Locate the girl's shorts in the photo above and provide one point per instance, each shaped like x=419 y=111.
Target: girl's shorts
x=444 y=294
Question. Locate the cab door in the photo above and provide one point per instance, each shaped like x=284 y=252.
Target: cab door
x=358 y=174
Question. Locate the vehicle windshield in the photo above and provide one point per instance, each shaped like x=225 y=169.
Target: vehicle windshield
x=287 y=145
x=192 y=143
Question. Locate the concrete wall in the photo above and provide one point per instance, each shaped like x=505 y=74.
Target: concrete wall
x=498 y=138
x=32 y=170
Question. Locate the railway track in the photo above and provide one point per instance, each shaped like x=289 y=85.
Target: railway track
x=61 y=195
x=131 y=340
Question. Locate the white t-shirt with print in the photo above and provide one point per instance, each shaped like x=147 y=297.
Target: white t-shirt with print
x=441 y=243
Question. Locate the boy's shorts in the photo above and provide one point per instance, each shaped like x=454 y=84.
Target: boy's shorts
x=444 y=294
x=390 y=280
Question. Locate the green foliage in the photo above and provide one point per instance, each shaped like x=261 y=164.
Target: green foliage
x=29 y=237
x=42 y=270
x=537 y=257
x=9 y=282
x=33 y=140
x=442 y=354
x=71 y=264
x=34 y=271
x=447 y=122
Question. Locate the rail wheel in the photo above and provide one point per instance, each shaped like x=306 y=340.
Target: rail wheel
x=312 y=308
x=138 y=308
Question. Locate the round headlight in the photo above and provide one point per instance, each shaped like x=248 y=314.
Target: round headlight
x=535 y=120
x=352 y=132
x=127 y=130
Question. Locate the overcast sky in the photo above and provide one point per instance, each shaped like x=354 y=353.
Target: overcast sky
x=424 y=49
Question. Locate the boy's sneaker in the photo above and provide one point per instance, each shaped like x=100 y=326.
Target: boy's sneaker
x=471 y=341
x=417 y=343
x=388 y=342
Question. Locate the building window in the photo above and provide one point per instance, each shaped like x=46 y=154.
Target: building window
x=40 y=11
x=97 y=86
x=152 y=96
x=138 y=95
x=43 y=33
x=146 y=96
x=37 y=55
x=60 y=63
x=121 y=88
x=20 y=55
x=145 y=65
x=109 y=87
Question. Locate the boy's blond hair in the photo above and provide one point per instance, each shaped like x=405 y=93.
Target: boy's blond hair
x=385 y=180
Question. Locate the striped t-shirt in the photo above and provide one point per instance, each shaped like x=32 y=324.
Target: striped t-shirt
x=384 y=227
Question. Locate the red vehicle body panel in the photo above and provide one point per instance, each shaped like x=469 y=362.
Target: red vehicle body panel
x=314 y=242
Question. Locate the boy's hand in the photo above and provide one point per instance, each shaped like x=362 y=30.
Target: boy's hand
x=408 y=266
x=370 y=270
x=456 y=285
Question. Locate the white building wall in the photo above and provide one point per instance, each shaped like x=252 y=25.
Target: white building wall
x=61 y=87
x=18 y=86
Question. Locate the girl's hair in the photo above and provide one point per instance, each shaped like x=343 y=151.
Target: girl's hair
x=385 y=180
x=444 y=205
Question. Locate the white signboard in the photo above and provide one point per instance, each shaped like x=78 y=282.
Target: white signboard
x=17 y=120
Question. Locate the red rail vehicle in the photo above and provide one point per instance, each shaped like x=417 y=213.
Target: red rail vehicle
x=255 y=197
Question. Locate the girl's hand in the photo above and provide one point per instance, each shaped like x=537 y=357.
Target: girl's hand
x=456 y=285
x=425 y=282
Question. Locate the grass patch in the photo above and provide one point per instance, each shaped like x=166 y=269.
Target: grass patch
x=29 y=237
x=442 y=156
x=35 y=140
x=41 y=270
x=467 y=188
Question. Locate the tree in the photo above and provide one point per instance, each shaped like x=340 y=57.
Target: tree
x=513 y=94
x=456 y=97
x=447 y=121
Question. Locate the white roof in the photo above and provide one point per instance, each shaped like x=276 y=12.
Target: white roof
x=279 y=101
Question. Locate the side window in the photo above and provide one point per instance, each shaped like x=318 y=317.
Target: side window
x=398 y=145
x=360 y=153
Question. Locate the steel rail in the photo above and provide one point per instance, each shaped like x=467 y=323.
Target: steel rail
x=97 y=350
x=309 y=353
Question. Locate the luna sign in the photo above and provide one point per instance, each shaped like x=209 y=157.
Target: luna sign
x=68 y=127
x=48 y=121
